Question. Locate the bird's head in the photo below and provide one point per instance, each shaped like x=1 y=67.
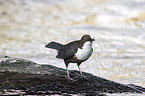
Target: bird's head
x=86 y=38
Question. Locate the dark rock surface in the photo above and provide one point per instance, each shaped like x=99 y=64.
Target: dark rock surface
x=32 y=78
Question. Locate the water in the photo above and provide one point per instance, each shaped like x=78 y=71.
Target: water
x=118 y=27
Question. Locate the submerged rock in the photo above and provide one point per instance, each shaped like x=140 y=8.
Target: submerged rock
x=32 y=78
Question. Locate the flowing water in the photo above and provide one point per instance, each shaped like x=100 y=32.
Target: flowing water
x=118 y=27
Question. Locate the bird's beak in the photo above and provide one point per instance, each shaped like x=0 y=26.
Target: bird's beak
x=93 y=39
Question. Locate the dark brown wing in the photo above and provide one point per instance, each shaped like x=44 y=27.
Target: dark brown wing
x=68 y=50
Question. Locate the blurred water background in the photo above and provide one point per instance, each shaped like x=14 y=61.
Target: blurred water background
x=118 y=27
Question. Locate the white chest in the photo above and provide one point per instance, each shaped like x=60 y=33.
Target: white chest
x=85 y=52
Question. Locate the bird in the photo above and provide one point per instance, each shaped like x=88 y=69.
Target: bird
x=74 y=52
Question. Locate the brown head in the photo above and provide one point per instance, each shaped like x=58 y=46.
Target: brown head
x=87 y=38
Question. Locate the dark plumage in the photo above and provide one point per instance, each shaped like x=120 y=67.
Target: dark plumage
x=73 y=52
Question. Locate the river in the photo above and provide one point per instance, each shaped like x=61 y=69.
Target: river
x=118 y=27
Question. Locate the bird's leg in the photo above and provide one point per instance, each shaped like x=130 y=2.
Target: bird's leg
x=68 y=72
x=81 y=71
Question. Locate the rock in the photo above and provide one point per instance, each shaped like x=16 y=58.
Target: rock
x=32 y=78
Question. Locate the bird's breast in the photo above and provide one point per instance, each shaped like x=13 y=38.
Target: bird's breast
x=84 y=53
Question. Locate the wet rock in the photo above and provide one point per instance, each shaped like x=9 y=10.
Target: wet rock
x=32 y=78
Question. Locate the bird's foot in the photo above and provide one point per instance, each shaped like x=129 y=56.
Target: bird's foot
x=69 y=78
x=84 y=77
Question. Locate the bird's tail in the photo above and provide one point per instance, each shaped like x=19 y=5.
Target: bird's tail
x=54 y=45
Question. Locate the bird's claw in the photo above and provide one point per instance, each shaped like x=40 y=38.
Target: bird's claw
x=84 y=77
x=70 y=79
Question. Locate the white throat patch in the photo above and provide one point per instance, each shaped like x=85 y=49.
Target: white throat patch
x=85 y=52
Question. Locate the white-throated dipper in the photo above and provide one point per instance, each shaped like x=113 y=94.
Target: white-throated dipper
x=74 y=52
